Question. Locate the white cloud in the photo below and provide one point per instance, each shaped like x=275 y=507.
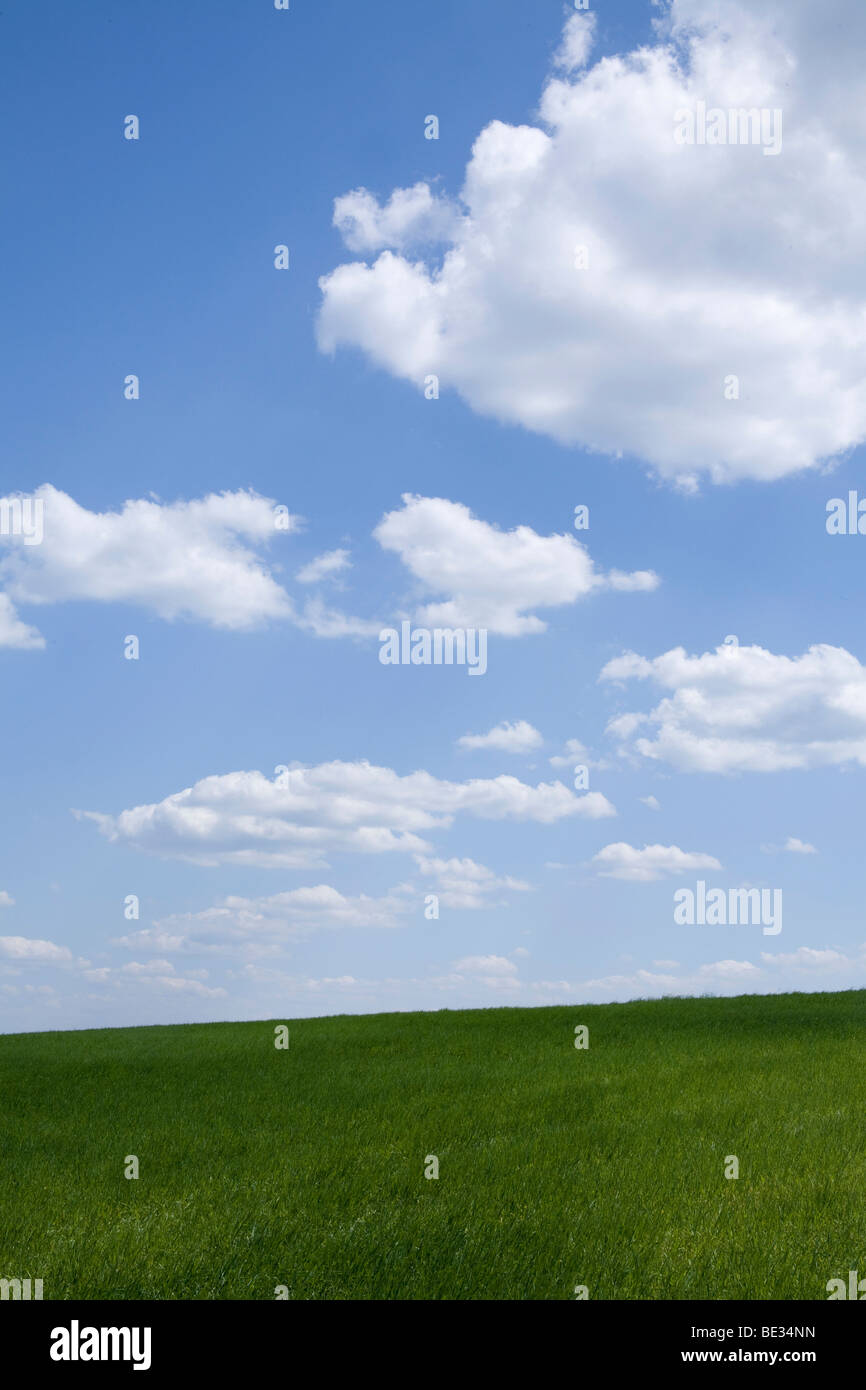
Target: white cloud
x=791 y=846
x=574 y=753
x=157 y=976
x=807 y=958
x=728 y=970
x=489 y=578
x=15 y=633
x=340 y=981
x=324 y=567
x=495 y=972
x=650 y=863
x=411 y=217
x=238 y=922
x=201 y=559
x=488 y=965
x=152 y=967
x=243 y=818
x=728 y=975
x=577 y=41
x=6 y=900
x=803 y=969
x=152 y=939
x=744 y=709
x=519 y=737
x=704 y=262
x=651 y=802
x=322 y=621
x=178 y=984
x=464 y=884
x=28 y=948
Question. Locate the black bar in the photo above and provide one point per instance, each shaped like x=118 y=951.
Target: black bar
x=233 y=1337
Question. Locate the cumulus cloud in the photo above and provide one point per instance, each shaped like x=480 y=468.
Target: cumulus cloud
x=14 y=632
x=6 y=899
x=794 y=846
x=577 y=41
x=495 y=972
x=33 y=949
x=266 y=921
x=178 y=984
x=324 y=567
x=154 y=939
x=411 y=217
x=731 y=976
x=745 y=709
x=650 y=863
x=201 y=559
x=322 y=621
x=575 y=753
x=488 y=578
x=519 y=737
x=807 y=958
x=462 y=883
x=805 y=969
x=465 y=978
x=791 y=846
x=152 y=967
x=307 y=812
x=155 y=976
x=604 y=282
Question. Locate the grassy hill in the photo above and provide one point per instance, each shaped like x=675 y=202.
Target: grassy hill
x=558 y=1167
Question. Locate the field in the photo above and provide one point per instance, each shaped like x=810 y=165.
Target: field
x=558 y=1167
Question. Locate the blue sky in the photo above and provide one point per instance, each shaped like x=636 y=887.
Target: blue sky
x=304 y=387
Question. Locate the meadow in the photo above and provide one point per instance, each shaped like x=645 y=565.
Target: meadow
x=304 y=1168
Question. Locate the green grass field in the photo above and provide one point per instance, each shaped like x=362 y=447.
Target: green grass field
x=557 y=1167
